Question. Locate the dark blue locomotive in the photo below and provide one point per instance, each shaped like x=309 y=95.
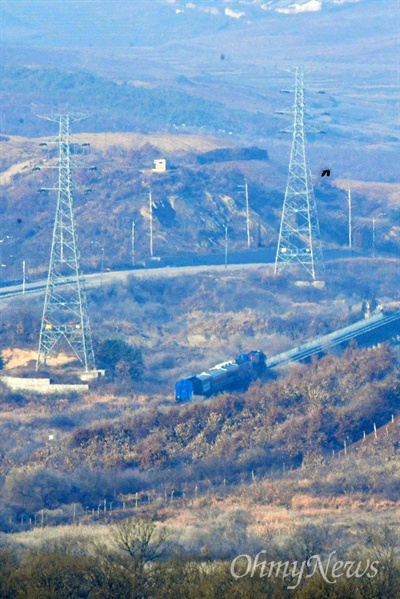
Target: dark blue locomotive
x=228 y=375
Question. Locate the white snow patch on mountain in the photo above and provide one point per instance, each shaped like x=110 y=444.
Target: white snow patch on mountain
x=311 y=6
x=344 y=1
x=234 y=13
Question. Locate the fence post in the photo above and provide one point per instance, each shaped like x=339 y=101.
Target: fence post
x=345 y=449
x=376 y=436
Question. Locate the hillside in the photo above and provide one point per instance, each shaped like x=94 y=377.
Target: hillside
x=200 y=192
x=259 y=464
x=118 y=490
x=195 y=76
x=225 y=475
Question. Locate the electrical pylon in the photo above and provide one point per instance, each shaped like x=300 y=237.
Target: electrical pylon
x=299 y=236
x=65 y=317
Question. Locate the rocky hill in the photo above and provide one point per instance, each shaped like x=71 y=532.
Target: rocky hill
x=200 y=192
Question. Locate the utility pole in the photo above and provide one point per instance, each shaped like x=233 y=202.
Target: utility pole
x=226 y=246
x=350 y=219
x=133 y=243
x=151 y=222
x=65 y=314
x=23 y=276
x=246 y=190
x=246 y=193
x=299 y=235
x=1 y=260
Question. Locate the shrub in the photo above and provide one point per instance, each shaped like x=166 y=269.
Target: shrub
x=119 y=358
x=29 y=490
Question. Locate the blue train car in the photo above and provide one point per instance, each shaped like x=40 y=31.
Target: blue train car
x=227 y=375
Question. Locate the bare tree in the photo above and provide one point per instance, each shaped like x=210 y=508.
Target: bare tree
x=380 y=543
x=143 y=540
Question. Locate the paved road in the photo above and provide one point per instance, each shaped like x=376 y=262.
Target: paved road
x=98 y=279
x=105 y=278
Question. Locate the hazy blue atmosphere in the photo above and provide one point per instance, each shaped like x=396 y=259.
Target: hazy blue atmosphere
x=199 y=299
x=224 y=52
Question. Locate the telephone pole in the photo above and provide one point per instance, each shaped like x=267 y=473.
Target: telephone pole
x=23 y=277
x=299 y=236
x=350 y=219
x=151 y=222
x=246 y=193
x=226 y=246
x=65 y=317
x=133 y=243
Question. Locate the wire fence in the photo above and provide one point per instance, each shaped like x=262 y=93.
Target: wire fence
x=109 y=511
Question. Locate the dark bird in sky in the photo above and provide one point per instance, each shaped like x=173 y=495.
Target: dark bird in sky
x=327 y=173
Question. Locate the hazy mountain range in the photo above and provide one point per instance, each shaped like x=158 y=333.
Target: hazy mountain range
x=227 y=52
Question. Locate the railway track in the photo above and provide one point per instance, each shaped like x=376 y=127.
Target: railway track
x=321 y=344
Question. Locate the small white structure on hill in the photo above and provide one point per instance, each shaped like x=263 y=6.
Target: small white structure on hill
x=160 y=166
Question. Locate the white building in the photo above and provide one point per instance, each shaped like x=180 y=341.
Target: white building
x=160 y=166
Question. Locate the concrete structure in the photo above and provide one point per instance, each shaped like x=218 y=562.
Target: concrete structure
x=92 y=375
x=160 y=165
x=42 y=386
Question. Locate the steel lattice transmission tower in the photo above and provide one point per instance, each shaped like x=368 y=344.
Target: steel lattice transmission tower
x=65 y=317
x=299 y=235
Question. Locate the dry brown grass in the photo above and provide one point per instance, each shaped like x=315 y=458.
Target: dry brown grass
x=163 y=141
x=17 y=357
x=35 y=538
